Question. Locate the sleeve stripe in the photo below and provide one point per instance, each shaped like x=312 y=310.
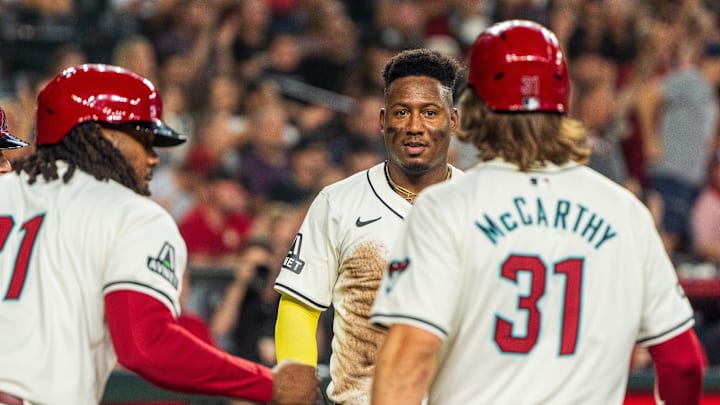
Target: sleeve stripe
x=378 y=320
x=687 y=322
x=296 y=294
x=114 y=286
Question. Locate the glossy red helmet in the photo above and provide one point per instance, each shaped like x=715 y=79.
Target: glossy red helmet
x=518 y=66
x=104 y=94
x=8 y=140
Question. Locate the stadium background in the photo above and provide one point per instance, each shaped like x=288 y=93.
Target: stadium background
x=295 y=84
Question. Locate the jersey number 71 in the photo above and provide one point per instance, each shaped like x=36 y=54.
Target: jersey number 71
x=22 y=256
x=571 y=270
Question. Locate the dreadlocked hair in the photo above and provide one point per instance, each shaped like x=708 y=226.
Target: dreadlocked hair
x=84 y=148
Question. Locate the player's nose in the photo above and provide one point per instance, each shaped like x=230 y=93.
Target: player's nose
x=153 y=158
x=415 y=124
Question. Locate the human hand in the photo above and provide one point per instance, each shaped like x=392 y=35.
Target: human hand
x=295 y=384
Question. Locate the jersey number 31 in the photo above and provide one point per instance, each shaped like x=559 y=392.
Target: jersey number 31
x=22 y=256
x=571 y=270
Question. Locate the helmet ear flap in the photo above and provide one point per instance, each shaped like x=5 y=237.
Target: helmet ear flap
x=104 y=94
x=517 y=65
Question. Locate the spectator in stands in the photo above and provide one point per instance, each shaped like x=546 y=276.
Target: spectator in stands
x=278 y=222
x=191 y=33
x=400 y=23
x=310 y=171
x=363 y=79
x=136 y=53
x=330 y=46
x=245 y=38
x=706 y=215
x=227 y=123
x=176 y=109
x=215 y=145
x=706 y=247
x=245 y=320
x=173 y=186
x=653 y=60
x=362 y=156
x=201 y=48
x=678 y=146
x=284 y=55
x=65 y=56
x=361 y=125
x=265 y=160
x=596 y=108
x=219 y=222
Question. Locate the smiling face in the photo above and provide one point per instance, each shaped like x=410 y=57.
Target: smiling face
x=417 y=122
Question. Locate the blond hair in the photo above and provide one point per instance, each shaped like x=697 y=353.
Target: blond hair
x=527 y=139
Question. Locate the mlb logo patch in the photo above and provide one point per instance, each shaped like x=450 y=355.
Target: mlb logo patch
x=530 y=89
x=531 y=103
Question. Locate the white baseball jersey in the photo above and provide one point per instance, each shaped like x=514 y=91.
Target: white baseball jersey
x=62 y=248
x=538 y=283
x=338 y=258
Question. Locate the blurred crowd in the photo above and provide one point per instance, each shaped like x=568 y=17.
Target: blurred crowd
x=281 y=97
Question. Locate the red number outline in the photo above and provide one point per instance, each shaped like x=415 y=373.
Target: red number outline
x=31 y=228
x=571 y=270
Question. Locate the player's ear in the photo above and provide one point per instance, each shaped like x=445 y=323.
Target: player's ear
x=382 y=121
x=454 y=118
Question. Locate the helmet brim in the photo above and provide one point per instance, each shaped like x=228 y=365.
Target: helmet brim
x=8 y=141
x=164 y=135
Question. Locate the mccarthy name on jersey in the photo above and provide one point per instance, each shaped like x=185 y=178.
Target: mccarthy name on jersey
x=559 y=214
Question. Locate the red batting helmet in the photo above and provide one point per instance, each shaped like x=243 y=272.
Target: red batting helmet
x=104 y=94
x=7 y=140
x=518 y=65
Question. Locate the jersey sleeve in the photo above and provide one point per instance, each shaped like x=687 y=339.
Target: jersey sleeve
x=310 y=268
x=666 y=310
x=422 y=277
x=150 y=342
x=148 y=255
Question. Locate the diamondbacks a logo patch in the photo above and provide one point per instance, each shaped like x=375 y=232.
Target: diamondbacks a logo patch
x=164 y=264
x=395 y=269
x=292 y=261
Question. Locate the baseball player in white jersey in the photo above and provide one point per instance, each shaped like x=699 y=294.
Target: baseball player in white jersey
x=7 y=141
x=341 y=249
x=530 y=279
x=90 y=268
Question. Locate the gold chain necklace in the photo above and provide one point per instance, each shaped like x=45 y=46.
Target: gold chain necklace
x=408 y=195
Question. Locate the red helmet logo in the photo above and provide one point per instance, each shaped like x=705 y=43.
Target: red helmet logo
x=100 y=93
x=518 y=65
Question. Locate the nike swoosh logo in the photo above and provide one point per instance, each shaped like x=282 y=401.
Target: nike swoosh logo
x=359 y=222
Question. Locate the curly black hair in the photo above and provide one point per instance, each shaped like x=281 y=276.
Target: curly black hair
x=84 y=148
x=423 y=62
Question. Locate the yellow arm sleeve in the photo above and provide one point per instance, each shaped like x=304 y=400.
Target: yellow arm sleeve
x=295 y=332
